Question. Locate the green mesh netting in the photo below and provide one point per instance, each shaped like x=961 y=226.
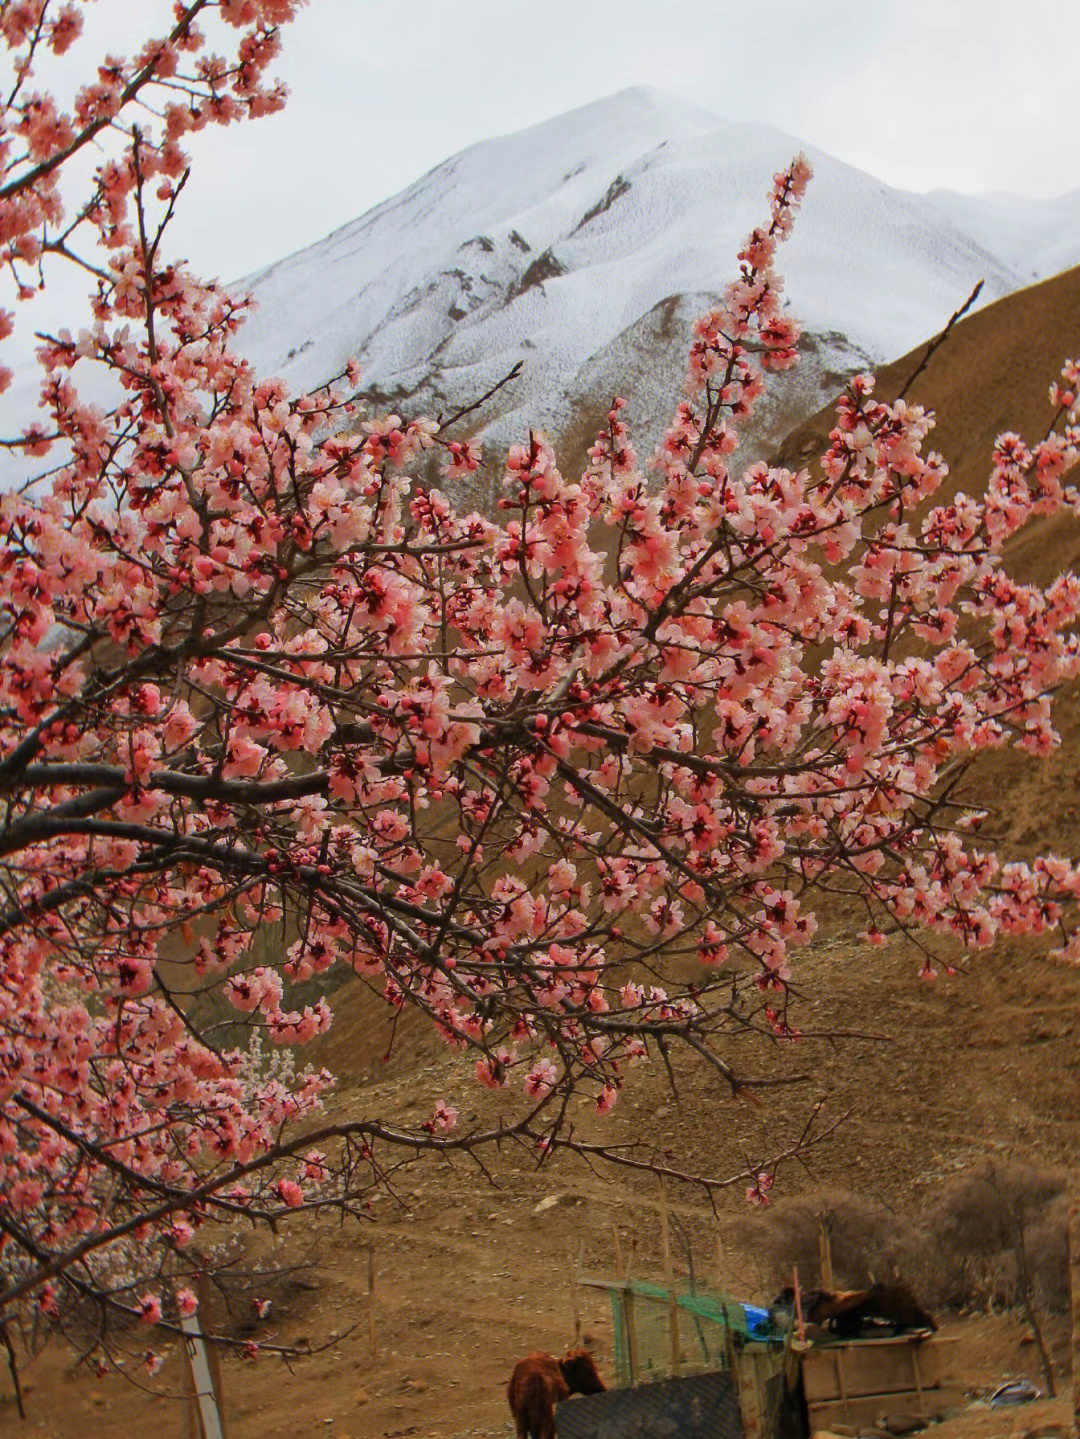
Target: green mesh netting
x=709 y=1327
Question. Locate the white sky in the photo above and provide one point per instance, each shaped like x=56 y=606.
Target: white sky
x=971 y=95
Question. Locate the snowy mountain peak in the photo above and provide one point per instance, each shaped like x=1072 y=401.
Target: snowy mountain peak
x=640 y=105
x=583 y=243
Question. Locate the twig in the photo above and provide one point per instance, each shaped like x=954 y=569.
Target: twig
x=468 y=409
x=940 y=339
x=5 y=1338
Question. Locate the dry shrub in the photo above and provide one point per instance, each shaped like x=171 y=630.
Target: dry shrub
x=997 y=1237
x=994 y=1237
x=868 y=1242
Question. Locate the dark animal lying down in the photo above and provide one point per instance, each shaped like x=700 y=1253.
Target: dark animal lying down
x=540 y=1381
x=853 y=1312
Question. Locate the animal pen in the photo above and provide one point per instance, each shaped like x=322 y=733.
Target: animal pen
x=708 y=1365
x=703 y=1365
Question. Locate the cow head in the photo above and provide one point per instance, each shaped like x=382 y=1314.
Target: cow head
x=579 y=1371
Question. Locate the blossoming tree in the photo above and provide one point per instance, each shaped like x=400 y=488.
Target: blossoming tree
x=271 y=707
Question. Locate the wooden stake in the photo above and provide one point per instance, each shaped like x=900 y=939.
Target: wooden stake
x=918 y=1379
x=719 y=1262
x=371 y=1299
x=839 y=1351
x=825 y=1253
x=192 y=1423
x=1074 y=1281
x=749 y=1395
x=729 y=1342
x=576 y=1292
x=669 y=1280
x=630 y=1320
x=204 y=1410
x=800 y=1326
x=620 y=1272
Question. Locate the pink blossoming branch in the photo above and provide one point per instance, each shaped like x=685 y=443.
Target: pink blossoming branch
x=272 y=709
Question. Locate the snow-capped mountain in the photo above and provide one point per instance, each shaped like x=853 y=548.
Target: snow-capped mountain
x=585 y=246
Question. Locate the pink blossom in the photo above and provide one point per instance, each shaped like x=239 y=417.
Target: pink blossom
x=605 y=1102
x=758 y=1192
x=445 y=1116
x=541 y=1078
x=315 y=1168
x=289 y=1193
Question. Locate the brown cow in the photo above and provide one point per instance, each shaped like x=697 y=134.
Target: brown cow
x=540 y=1381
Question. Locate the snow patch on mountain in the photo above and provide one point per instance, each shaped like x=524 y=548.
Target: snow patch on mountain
x=1037 y=238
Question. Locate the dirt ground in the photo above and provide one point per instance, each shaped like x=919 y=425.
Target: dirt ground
x=471 y=1274
x=444 y=1354
x=474 y=1271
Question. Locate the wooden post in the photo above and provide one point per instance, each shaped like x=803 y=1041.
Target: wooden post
x=669 y=1280
x=1074 y=1280
x=839 y=1353
x=825 y=1252
x=204 y=1409
x=620 y=1272
x=729 y=1342
x=918 y=1379
x=371 y=1299
x=749 y=1395
x=626 y=1300
x=800 y=1327
x=577 y=1292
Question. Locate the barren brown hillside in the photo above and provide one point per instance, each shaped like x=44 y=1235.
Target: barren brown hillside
x=470 y=1276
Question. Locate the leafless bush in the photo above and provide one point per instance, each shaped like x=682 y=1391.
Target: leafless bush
x=997 y=1236
x=867 y=1241
x=1000 y=1238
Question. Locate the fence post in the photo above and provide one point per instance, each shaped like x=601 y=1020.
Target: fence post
x=1074 y=1282
x=800 y=1326
x=620 y=1272
x=371 y=1299
x=749 y=1396
x=825 y=1251
x=669 y=1280
x=204 y=1410
x=577 y=1292
x=626 y=1299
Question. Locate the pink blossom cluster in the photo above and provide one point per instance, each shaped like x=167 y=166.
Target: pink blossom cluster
x=273 y=708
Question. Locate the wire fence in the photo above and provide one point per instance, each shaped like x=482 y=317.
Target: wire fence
x=701 y=1406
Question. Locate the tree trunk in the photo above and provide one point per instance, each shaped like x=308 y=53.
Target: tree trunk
x=1027 y=1297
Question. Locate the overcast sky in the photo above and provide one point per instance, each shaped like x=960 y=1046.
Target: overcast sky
x=970 y=95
